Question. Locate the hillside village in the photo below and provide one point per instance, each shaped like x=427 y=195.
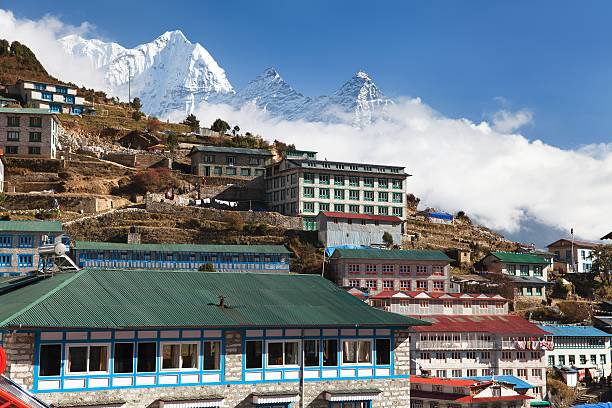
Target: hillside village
x=236 y=262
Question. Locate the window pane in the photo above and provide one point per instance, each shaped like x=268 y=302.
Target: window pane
x=98 y=358
x=330 y=353
x=147 y=354
x=349 y=351
x=253 y=354
x=212 y=355
x=365 y=351
x=311 y=353
x=77 y=359
x=383 y=351
x=50 y=359
x=189 y=355
x=275 y=353
x=291 y=353
x=124 y=357
x=171 y=355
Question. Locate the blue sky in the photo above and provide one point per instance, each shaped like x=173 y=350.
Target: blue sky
x=465 y=59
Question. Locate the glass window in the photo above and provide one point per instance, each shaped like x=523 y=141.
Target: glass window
x=12 y=121
x=339 y=207
x=339 y=180
x=254 y=354
x=323 y=178
x=353 y=194
x=146 y=357
x=35 y=121
x=12 y=136
x=33 y=149
x=324 y=193
x=124 y=358
x=50 y=359
x=383 y=210
x=397 y=184
x=356 y=351
x=383 y=351
x=230 y=171
x=383 y=196
x=179 y=356
x=368 y=196
x=311 y=353
x=282 y=353
x=330 y=352
x=309 y=178
x=339 y=194
x=383 y=183
x=245 y=171
x=308 y=191
x=82 y=359
x=212 y=355
x=353 y=181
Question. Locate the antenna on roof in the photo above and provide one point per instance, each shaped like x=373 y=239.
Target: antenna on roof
x=222 y=304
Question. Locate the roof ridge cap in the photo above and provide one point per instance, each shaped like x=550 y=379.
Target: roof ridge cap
x=42 y=298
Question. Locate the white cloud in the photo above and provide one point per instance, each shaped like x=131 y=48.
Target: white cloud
x=506 y=121
x=41 y=37
x=501 y=179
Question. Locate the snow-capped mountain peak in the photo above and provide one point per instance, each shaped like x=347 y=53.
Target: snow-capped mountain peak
x=363 y=75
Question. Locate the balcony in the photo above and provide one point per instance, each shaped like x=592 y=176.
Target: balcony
x=455 y=345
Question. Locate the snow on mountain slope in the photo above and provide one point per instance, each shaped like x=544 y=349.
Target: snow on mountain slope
x=168 y=74
x=172 y=74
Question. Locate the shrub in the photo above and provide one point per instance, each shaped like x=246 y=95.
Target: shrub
x=574 y=312
x=153 y=180
x=234 y=221
x=208 y=267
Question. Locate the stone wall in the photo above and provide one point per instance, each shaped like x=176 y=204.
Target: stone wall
x=68 y=202
x=19 y=349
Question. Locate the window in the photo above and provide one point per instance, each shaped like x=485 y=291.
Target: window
x=383 y=210
x=383 y=183
x=309 y=207
x=179 y=356
x=404 y=269
x=12 y=136
x=311 y=353
x=61 y=89
x=438 y=286
x=212 y=355
x=424 y=303
x=35 y=137
x=511 y=269
x=522 y=372
x=353 y=194
x=583 y=359
x=421 y=285
x=254 y=354
x=26 y=241
x=308 y=178
x=507 y=371
x=383 y=197
x=561 y=360
x=387 y=268
x=496 y=391
x=309 y=192
x=12 y=121
x=370 y=269
x=354 y=181
x=245 y=171
x=524 y=270
x=367 y=181
x=520 y=355
x=283 y=353
x=87 y=359
x=5 y=260
x=535 y=355
x=424 y=355
x=124 y=358
x=218 y=170
x=356 y=351
x=50 y=360
x=368 y=209
x=506 y=355
x=441 y=374
x=353 y=209
x=40 y=87
x=448 y=304
x=259 y=172
x=6 y=241
x=354 y=283
x=537 y=270
x=404 y=284
x=24 y=261
x=455 y=355
x=471 y=372
x=456 y=373
x=338 y=180
x=339 y=194
x=383 y=351
x=35 y=121
x=323 y=178
x=146 y=357
x=538 y=291
x=330 y=353
x=536 y=372
x=353 y=268
x=370 y=284
x=470 y=355
x=485 y=355
x=230 y=171
x=421 y=270
x=397 y=184
x=529 y=291
x=602 y=359
x=551 y=361
x=33 y=149
x=339 y=207
x=323 y=192
x=368 y=196
x=12 y=149
x=388 y=284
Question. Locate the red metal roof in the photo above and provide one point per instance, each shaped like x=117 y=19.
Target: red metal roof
x=494 y=324
x=470 y=398
x=454 y=382
x=385 y=218
x=387 y=294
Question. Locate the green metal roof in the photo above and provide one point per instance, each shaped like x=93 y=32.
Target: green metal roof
x=94 y=298
x=237 y=150
x=513 y=257
x=26 y=111
x=31 y=226
x=230 y=249
x=393 y=254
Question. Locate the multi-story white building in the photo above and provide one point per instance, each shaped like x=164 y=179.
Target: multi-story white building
x=573 y=256
x=580 y=347
x=301 y=185
x=52 y=97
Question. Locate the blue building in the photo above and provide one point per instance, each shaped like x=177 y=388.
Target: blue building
x=222 y=258
x=20 y=242
x=197 y=339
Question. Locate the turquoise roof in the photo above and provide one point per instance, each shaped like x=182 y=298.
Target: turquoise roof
x=510 y=379
x=26 y=111
x=574 y=331
x=30 y=226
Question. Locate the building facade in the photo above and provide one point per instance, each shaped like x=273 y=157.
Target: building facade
x=581 y=348
x=50 y=97
x=20 y=242
x=221 y=258
x=337 y=229
x=300 y=185
x=507 y=392
x=424 y=304
x=572 y=256
x=29 y=132
x=527 y=272
x=484 y=345
x=169 y=339
x=382 y=269
x=218 y=161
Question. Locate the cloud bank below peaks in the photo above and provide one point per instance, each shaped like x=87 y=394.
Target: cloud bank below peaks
x=502 y=180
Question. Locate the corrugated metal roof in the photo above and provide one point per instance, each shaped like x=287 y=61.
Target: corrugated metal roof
x=574 y=331
x=390 y=254
x=148 y=298
x=237 y=150
x=514 y=257
x=233 y=249
x=385 y=218
x=26 y=111
x=496 y=324
x=31 y=226
x=510 y=379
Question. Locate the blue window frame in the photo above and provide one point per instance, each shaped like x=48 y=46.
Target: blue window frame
x=25 y=261
x=55 y=108
x=76 y=110
x=61 y=89
x=6 y=241
x=26 y=241
x=5 y=260
x=68 y=98
x=40 y=87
